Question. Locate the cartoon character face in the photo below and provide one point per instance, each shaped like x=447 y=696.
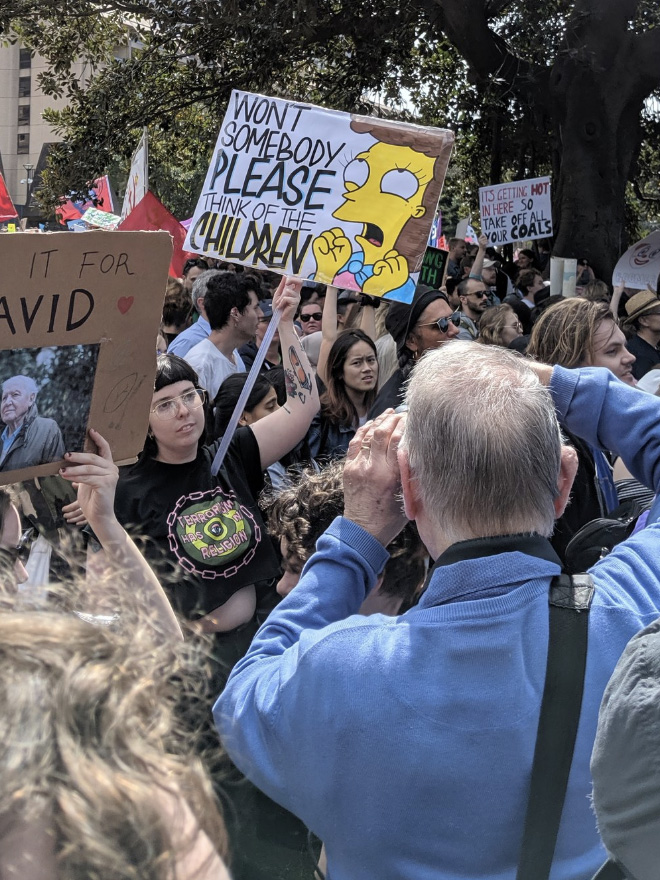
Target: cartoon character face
x=385 y=187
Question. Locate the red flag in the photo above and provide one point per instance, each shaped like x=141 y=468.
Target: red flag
x=103 y=195
x=7 y=209
x=68 y=211
x=151 y=213
x=99 y=196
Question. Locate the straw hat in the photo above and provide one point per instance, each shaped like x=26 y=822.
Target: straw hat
x=641 y=303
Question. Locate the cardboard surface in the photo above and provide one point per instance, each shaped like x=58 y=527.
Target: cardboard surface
x=518 y=211
x=341 y=199
x=97 y=296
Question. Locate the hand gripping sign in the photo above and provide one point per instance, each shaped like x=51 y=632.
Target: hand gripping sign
x=341 y=199
x=79 y=316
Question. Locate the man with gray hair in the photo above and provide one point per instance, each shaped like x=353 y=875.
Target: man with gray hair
x=406 y=744
x=28 y=439
x=200 y=330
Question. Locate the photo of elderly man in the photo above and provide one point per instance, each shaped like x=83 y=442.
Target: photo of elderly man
x=27 y=439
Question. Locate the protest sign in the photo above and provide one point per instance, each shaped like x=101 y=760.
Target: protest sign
x=518 y=211
x=340 y=199
x=639 y=267
x=433 y=267
x=100 y=219
x=79 y=316
x=465 y=231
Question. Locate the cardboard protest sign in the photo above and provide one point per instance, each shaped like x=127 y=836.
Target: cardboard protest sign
x=639 y=267
x=341 y=199
x=433 y=267
x=79 y=316
x=518 y=211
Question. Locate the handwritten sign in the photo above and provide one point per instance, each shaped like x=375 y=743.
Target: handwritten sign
x=639 y=267
x=432 y=272
x=78 y=310
x=519 y=211
x=341 y=199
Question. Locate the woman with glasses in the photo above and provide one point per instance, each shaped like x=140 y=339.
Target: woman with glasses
x=499 y=325
x=310 y=317
x=204 y=533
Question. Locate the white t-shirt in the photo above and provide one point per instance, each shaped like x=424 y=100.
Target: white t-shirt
x=212 y=366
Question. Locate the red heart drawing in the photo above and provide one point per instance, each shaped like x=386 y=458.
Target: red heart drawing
x=124 y=303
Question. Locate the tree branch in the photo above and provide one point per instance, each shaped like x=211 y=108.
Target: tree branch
x=465 y=23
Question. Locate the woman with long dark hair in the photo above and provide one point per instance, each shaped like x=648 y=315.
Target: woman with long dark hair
x=205 y=535
x=351 y=375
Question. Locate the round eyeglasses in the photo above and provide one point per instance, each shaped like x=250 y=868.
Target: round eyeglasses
x=168 y=409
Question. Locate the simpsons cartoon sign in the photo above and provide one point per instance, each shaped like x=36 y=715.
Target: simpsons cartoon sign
x=345 y=200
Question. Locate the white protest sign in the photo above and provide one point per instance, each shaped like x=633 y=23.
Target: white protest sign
x=518 y=211
x=305 y=191
x=639 y=267
x=138 y=177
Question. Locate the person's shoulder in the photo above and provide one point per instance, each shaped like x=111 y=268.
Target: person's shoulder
x=199 y=353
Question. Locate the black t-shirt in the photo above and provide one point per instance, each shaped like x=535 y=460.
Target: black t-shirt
x=205 y=536
x=647 y=356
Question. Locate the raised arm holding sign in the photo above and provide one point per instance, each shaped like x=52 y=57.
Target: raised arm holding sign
x=79 y=316
x=317 y=193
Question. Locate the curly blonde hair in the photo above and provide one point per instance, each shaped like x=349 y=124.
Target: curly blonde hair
x=91 y=748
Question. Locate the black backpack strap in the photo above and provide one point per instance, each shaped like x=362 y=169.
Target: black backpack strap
x=570 y=601
x=609 y=871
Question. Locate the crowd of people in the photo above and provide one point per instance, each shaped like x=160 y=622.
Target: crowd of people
x=354 y=607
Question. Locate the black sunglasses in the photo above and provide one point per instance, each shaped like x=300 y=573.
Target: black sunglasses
x=11 y=555
x=480 y=293
x=443 y=323
x=317 y=316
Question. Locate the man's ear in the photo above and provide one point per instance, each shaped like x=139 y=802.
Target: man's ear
x=411 y=342
x=409 y=487
x=567 y=472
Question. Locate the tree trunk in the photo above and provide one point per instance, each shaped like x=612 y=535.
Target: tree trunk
x=596 y=123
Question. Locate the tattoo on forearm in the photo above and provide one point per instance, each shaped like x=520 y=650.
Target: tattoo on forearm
x=297 y=380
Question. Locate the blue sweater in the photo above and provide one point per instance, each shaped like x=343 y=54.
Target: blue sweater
x=406 y=743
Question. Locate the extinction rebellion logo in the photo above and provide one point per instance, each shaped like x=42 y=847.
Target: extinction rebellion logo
x=211 y=530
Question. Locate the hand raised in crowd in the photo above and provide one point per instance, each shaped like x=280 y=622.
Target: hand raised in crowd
x=95 y=478
x=73 y=514
x=372 y=481
x=287 y=297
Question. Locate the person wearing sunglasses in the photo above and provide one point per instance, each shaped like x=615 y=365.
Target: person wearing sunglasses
x=427 y=323
x=474 y=297
x=310 y=317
